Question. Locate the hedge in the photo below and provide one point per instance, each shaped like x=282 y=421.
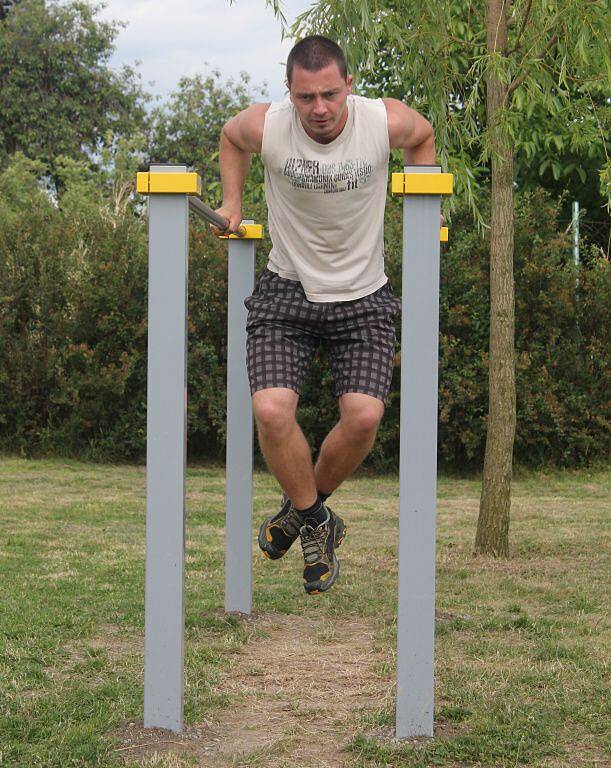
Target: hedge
x=73 y=287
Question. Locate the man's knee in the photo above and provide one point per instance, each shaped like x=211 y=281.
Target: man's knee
x=361 y=413
x=274 y=409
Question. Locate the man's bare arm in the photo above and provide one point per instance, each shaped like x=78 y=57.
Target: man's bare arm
x=241 y=137
x=409 y=131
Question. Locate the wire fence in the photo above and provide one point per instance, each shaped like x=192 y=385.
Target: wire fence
x=592 y=232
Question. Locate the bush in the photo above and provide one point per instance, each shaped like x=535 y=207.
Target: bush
x=73 y=287
x=73 y=328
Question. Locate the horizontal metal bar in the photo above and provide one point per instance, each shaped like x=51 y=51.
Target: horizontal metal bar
x=212 y=217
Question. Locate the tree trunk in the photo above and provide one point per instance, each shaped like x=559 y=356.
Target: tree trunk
x=493 y=524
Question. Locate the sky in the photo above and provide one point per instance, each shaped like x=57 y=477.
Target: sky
x=184 y=37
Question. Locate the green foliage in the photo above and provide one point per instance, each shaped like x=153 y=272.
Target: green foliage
x=562 y=347
x=73 y=289
x=187 y=129
x=72 y=320
x=561 y=344
x=58 y=97
x=432 y=54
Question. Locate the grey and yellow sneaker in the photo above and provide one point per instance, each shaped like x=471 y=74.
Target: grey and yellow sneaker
x=318 y=542
x=278 y=532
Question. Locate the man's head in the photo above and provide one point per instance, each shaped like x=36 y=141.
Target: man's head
x=319 y=85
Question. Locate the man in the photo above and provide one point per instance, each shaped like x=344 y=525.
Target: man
x=325 y=154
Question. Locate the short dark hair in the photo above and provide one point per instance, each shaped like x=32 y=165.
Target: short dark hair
x=313 y=53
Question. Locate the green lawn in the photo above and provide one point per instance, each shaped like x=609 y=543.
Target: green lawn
x=522 y=644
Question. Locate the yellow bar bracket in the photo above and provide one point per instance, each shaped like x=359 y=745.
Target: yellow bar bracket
x=397 y=183
x=422 y=183
x=169 y=183
x=142 y=183
x=253 y=232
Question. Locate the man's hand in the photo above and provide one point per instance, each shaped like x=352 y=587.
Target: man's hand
x=233 y=214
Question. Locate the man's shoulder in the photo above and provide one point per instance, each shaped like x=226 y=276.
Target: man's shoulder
x=256 y=112
x=245 y=129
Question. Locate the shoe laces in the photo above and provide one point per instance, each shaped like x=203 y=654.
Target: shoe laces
x=292 y=522
x=313 y=541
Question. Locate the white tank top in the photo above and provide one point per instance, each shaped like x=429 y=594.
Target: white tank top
x=326 y=201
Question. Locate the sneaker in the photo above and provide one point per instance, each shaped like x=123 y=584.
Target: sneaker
x=278 y=532
x=318 y=545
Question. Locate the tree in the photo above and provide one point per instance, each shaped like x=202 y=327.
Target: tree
x=555 y=149
x=478 y=71
x=187 y=129
x=57 y=94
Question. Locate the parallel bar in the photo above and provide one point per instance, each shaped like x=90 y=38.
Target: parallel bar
x=166 y=458
x=418 y=463
x=238 y=528
x=211 y=216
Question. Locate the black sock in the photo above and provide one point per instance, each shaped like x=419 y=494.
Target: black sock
x=323 y=496
x=316 y=512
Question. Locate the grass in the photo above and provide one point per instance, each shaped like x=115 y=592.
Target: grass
x=522 y=644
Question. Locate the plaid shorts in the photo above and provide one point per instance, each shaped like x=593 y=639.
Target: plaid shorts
x=284 y=330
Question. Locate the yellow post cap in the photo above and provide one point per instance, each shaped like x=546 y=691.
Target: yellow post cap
x=253 y=232
x=169 y=183
x=422 y=183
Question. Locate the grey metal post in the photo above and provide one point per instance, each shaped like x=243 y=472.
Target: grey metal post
x=575 y=224
x=166 y=458
x=418 y=462
x=238 y=527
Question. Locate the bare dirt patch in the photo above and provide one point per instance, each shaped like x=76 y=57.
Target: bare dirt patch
x=109 y=640
x=300 y=687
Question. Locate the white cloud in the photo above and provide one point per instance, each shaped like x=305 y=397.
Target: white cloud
x=180 y=37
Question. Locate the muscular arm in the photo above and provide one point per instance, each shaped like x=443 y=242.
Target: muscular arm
x=409 y=131
x=241 y=137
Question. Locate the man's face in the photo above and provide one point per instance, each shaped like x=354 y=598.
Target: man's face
x=320 y=100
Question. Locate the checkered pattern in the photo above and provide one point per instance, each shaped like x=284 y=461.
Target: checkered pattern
x=285 y=329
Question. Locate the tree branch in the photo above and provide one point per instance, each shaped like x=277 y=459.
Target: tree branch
x=522 y=28
x=517 y=81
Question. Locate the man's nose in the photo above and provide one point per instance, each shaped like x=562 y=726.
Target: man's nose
x=320 y=106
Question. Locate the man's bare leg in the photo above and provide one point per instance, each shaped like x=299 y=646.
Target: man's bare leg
x=350 y=440
x=283 y=444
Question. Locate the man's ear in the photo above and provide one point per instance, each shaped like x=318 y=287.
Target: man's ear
x=349 y=81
